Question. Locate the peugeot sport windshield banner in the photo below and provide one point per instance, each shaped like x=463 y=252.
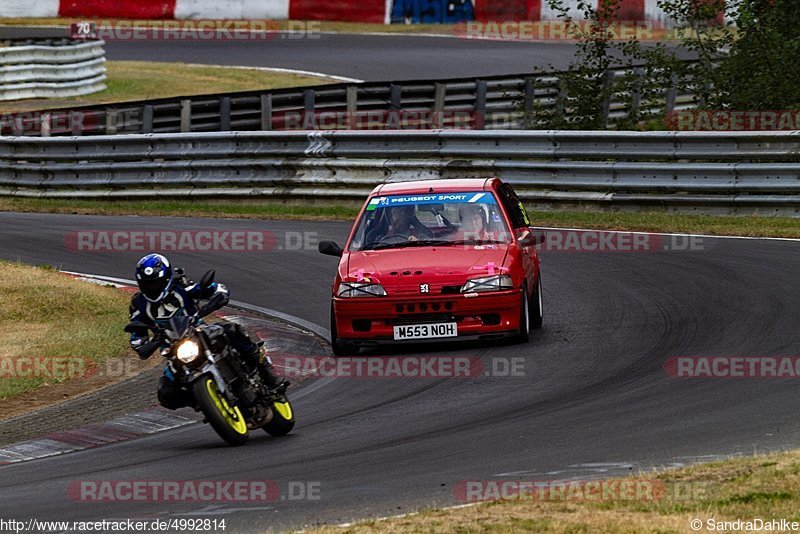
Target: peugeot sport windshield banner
x=481 y=197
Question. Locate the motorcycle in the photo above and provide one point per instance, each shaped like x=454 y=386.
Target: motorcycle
x=231 y=395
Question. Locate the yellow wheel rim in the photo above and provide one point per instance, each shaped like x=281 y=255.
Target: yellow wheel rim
x=232 y=415
x=284 y=409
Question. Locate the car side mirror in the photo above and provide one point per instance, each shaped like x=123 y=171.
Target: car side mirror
x=207 y=279
x=330 y=248
x=529 y=237
x=525 y=238
x=539 y=236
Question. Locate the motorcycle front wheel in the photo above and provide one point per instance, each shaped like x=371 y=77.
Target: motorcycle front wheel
x=225 y=419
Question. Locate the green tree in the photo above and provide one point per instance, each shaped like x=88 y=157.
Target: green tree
x=746 y=61
x=586 y=88
x=703 y=32
x=761 y=71
x=746 y=56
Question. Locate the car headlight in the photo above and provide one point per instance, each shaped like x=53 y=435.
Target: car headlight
x=360 y=289
x=187 y=351
x=488 y=283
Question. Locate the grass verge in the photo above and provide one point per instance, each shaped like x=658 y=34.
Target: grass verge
x=742 y=225
x=144 y=80
x=753 y=226
x=763 y=487
x=54 y=328
x=182 y=208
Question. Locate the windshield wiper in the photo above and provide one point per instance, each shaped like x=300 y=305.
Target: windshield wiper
x=432 y=242
x=406 y=244
x=477 y=242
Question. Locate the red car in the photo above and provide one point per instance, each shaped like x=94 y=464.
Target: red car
x=436 y=260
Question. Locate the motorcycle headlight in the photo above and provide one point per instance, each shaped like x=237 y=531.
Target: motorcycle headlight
x=488 y=283
x=360 y=289
x=187 y=351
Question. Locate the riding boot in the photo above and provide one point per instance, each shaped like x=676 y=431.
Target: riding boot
x=265 y=369
x=267 y=373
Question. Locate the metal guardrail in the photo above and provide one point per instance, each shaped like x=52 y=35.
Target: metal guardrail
x=696 y=170
x=53 y=69
x=495 y=102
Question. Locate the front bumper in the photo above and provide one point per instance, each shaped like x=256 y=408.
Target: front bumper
x=368 y=321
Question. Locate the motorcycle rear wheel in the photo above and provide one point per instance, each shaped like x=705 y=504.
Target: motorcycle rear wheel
x=282 y=418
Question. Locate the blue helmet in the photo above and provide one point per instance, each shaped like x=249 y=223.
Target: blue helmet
x=154 y=276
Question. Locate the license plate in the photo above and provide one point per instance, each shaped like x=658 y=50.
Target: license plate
x=425 y=331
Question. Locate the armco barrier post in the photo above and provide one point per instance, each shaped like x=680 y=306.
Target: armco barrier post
x=186 y=115
x=309 y=101
x=672 y=93
x=529 y=92
x=225 y=114
x=395 y=97
x=147 y=119
x=111 y=121
x=636 y=94
x=352 y=105
x=480 y=104
x=266 y=111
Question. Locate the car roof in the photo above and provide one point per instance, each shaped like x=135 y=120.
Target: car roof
x=444 y=186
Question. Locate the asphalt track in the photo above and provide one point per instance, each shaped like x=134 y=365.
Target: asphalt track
x=593 y=401
x=364 y=57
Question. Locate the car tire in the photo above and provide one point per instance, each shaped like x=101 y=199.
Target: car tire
x=340 y=349
x=524 y=318
x=536 y=305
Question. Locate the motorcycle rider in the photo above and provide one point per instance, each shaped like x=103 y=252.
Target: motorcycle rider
x=163 y=295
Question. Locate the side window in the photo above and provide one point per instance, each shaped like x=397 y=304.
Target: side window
x=514 y=207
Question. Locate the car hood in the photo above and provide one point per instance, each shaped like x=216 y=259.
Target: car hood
x=403 y=271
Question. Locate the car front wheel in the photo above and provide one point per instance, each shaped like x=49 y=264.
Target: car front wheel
x=536 y=305
x=524 y=318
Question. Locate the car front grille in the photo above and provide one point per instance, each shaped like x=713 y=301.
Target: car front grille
x=451 y=290
x=424 y=307
x=423 y=318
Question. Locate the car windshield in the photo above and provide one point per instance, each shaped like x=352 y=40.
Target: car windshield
x=432 y=219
